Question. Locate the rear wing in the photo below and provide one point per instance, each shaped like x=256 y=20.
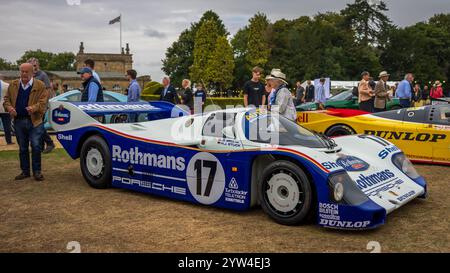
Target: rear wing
x=64 y=116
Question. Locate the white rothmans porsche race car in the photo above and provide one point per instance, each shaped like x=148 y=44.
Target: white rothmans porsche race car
x=239 y=158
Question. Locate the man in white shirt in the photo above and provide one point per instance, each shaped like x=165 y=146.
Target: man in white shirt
x=5 y=117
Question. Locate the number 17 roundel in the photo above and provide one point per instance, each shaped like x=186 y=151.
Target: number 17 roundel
x=205 y=178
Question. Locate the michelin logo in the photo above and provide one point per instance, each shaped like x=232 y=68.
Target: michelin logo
x=133 y=156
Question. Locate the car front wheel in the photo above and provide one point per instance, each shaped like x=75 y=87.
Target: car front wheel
x=95 y=162
x=285 y=193
x=339 y=130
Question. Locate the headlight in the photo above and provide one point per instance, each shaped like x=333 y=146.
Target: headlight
x=338 y=191
x=344 y=190
x=403 y=163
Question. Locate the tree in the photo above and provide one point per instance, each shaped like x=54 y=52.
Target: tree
x=422 y=49
x=220 y=66
x=205 y=44
x=239 y=44
x=258 y=50
x=50 y=61
x=368 y=21
x=62 y=62
x=5 y=65
x=43 y=57
x=179 y=57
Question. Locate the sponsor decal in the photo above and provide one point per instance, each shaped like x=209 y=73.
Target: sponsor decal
x=302 y=117
x=133 y=156
x=205 y=178
x=116 y=107
x=441 y=127
x=64 y=137
x=344 y=224
x=329 y=211
x=229 y=142
x=150 y=185
x=384 y=188
x=61 y=115
x=348 y=163
x=233 y=184
x=387 y=151
x=368 y=181
x=406 y=196
x=233 y=194
x=407 y=136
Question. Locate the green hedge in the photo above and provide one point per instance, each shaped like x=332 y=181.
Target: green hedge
x=222 y=102
x=152 y=88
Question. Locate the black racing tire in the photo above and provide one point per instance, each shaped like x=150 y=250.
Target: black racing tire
x=276 y=193
x=95 y=162
x=339 y=130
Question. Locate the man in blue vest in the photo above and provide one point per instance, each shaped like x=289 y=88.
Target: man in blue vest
x=93 y=91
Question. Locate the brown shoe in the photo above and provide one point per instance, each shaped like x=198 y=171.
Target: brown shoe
x=38 y=176
x=21 y=176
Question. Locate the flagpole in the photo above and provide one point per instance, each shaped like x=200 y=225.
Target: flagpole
x=120 y=33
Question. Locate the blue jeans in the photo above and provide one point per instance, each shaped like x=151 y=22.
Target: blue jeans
x=405 y=103
x=26 y=134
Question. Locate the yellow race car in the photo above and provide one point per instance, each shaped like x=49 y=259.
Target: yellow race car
x=423 y=133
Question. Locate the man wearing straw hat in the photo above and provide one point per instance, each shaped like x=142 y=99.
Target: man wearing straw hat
x=381 y=92
x=281 y=100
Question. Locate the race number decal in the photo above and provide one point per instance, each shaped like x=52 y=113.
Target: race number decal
x=205 y=178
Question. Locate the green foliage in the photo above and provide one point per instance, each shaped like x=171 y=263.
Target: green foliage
x=5 y=65
x=152 y=88
x=220 y=66
x=50 y=61
x=179 y=57
x=62 y=62
x=423 y=49
x=258 y=50
x=205 y=44
x=222 y=102
x=368 y=21
x=239 y=43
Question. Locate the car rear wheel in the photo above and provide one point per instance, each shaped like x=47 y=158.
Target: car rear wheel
x=339 y=130
x=285 y=193
x=95 y=162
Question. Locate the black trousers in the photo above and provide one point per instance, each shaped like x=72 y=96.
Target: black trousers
x=367 y=105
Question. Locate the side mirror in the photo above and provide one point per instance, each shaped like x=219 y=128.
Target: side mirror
x=228 y=132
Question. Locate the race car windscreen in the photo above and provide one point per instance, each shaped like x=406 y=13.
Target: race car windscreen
x=277 y=130
x=344 y=95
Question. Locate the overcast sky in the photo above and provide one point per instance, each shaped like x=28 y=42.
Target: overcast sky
x=151 y=26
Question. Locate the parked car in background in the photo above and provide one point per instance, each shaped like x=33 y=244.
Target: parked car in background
x=75 y=96
x=423 y=133
x=344 y=99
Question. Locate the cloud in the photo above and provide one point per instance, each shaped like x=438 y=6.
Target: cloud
x=153 y=33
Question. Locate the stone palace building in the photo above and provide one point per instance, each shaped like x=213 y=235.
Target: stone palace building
x=110 y=67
